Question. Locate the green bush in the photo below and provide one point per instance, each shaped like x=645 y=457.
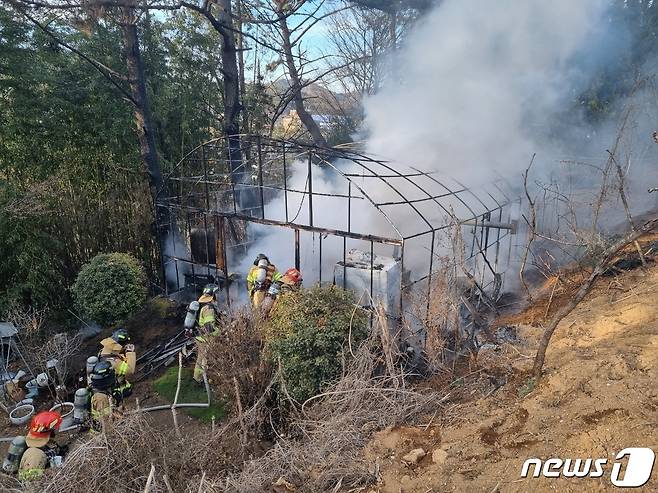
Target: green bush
x=110 y=288
x=308 y=332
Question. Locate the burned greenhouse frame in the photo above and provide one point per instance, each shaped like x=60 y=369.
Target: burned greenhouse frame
x=395 y=214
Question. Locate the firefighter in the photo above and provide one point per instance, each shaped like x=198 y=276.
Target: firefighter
x=207 y=326
x=260 y=278
x=41 y=446
x=289 y=282
x=107 y=392
x=118 y=350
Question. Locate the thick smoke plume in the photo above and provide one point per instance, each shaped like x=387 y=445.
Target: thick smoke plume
x=477 y=89
x=478 y=80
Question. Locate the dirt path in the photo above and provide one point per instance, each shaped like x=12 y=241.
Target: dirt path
x=598 y=397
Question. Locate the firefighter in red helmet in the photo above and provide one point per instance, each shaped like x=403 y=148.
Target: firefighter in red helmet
x=290 y=281
x=41 y=445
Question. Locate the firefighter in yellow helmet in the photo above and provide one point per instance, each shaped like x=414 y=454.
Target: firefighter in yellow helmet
x=207 y=326
x=118 y=350
x=41 y=446
x=260 y=278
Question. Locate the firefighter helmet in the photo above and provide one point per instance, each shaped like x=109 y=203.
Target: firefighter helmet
x=259 y=257
x=209 y=293
x=121 y=336
x=41 y=428
x=293 y=275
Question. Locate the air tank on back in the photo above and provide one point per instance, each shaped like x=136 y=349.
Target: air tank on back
x=14 y=454
x=192 y=312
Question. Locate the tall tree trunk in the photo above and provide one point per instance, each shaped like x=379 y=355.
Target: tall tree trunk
x=304 y=116
x=144 y=123
x=142 y=108
x=243 y=87
x=243 y=195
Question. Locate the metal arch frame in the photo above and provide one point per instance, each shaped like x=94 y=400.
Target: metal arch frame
x=224 y=183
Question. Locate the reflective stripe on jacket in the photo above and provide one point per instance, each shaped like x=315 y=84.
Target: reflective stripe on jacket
x=206 y=315
x=207 y=323
x=30 y=474
x=271 y=276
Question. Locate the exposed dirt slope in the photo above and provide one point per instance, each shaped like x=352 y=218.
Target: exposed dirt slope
x=599 y=396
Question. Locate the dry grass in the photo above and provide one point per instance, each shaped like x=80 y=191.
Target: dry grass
x=235 y=360
x=321 y=448
x=317 y=445
x=38 y=344
x=121 y=458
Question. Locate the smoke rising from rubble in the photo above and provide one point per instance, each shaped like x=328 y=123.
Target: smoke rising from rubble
x=483 y=87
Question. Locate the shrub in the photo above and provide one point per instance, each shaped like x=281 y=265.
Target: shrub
x=110 y=288
x=308 y=332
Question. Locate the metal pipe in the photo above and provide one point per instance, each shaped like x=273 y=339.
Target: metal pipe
x=415 y=201
x=167 y=407
x=205 y=234
x=320 y=269
x=344 y=263
x=285 y=180
x=401 y=280
x=372 y=269
x=302 y=227
x=491 y=224
x=216 y=238
x=349 y=227
x=222 y=240
x=260 y=178
x=265 y=187
x=500 y=218
x=297 y=256
x=205 y=177
x=189 y=232
x=429 y=276
x=173 y=244
x=310 y=190
x=63 y=430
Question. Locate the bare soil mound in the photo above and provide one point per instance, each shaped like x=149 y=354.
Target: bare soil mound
x=599 y=396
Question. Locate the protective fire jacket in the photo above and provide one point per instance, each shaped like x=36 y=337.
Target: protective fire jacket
x=33 y=464
x=271 y=275
x=101 y=406
x=124 y=363
x=207 y=323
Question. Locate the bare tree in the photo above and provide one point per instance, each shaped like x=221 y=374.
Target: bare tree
x=284 y=28
x=288 y=44
x=601 y=266
x=360 y=41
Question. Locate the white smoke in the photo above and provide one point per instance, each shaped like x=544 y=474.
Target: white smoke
x=476 y=76
x=481 y=88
